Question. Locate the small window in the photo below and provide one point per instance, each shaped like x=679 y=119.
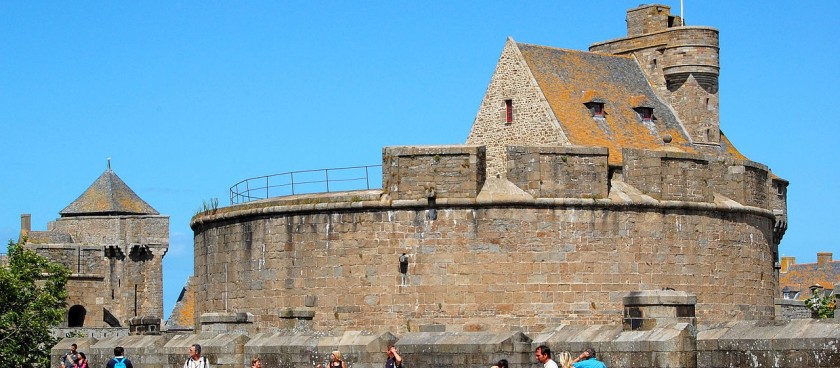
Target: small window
x=596 y=109
x=508 y=111
x=645 y=113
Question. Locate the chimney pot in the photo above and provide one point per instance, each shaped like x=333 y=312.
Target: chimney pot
x=823 y=258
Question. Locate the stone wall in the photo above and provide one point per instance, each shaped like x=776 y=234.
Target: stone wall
x=744 y=181
x=559 y=171
x=672 y=176
x=422 y=172
x=566 y=255
x=533 y=122
x=794 y=344
x=791 y=309
x=787 y=343
x=116 y=264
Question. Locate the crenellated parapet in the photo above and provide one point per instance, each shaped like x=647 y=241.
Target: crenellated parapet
x=559 y=171
x=422 y=172
x=743 y=181
x=447 y=173
x=673 y=176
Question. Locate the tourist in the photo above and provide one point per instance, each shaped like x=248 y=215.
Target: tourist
x=503 y=363
x=71 y=358
x=587 y=360
x=335 y=360
x=195 y=360
x=256 y=363
x=394 y=358
x=82 y=362
x=564 y=359
x=543 y=354
x=119 y=360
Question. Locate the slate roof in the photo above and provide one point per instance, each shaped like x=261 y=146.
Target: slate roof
x=183 y=314
x=570 y=78
x=800 y=277
x=108 y=195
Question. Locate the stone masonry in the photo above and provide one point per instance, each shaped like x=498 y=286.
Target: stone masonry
x=596 y=203
x=113 y=243
x=558 y=254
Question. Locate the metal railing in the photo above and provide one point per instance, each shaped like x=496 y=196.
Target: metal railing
x=307 y=181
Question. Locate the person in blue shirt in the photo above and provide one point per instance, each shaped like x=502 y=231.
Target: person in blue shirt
x=119 y=360
x=587 y=359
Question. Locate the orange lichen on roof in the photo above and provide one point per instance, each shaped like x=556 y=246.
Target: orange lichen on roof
x=800 y=277
x=729 y=148
x=108 y=195
x=569 y=77
x=638 y=100
x=183 y=314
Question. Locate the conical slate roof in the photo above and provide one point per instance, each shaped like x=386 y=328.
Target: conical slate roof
x=108 y=195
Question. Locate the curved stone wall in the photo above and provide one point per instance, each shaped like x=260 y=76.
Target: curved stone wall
x=485 y=268
x=497 y=260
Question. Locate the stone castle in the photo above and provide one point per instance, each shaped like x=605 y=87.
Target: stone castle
x=596 y=202
x=586 y=176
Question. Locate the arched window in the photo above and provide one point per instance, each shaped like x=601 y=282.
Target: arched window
x=76 y=316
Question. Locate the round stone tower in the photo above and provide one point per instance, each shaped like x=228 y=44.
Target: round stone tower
x=681 y=62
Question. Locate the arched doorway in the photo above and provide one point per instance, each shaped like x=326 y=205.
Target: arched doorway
x=76 y=316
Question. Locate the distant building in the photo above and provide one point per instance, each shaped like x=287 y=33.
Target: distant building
x=114 y=243
x=795 y=280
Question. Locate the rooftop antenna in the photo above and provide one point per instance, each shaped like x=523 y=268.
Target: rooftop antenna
x=682 y=16
x=109 y=164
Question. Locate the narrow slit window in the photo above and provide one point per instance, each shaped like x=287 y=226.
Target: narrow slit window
x=508 y=111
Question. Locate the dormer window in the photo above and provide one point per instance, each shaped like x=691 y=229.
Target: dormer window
x=508 y=111
x=645 y=113
x=596 y=109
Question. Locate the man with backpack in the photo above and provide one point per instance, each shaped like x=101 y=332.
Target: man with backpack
x=119 y=360
x=196 y=360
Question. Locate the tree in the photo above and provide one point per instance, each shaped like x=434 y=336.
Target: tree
x=33 y=293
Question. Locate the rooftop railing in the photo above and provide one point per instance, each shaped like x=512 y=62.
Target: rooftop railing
x=307 y=181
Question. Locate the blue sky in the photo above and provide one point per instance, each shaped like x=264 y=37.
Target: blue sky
x=190 y=97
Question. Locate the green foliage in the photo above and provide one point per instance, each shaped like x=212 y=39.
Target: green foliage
x=208 y=206
x=33 y=293
x=821 y=305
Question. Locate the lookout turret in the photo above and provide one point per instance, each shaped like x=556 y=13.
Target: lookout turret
x=681 y=62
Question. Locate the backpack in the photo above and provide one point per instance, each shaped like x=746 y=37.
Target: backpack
x=202 y=362
x=119 y=363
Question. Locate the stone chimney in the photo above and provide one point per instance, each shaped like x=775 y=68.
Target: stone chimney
x=823 y=259
x=649 y=19
x=26 y=224
x=786 y=263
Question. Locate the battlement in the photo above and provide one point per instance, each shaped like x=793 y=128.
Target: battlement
x=433 y=171
x=543 y=172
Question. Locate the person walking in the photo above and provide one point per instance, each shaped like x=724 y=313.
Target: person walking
x=119 y=360
x=543 y=354
x=195 y=360
x=394 y=358
x=256 y=363
x=335 y=360
x=71 y=358
x=587 y=359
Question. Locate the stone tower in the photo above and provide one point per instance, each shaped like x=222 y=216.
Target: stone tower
x=113 y=242
x=682 y=63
